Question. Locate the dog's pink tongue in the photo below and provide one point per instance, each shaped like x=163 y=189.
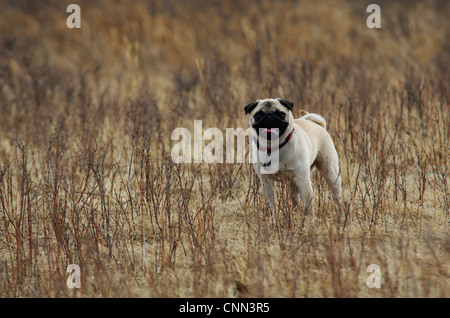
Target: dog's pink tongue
x=270 y=130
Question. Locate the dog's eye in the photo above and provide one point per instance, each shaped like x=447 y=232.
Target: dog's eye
x=259 y=115
x=280 y=114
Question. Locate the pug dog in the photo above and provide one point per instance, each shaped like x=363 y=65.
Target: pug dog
x=301 y=145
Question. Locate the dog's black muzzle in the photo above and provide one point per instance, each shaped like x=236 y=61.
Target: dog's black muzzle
x=268 y=122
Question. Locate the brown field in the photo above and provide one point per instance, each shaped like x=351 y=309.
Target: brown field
x=85 y=170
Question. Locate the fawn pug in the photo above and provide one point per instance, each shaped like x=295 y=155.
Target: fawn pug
x=301 y=145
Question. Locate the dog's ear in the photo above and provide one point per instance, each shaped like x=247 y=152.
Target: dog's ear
x=289 y=105
x=248 y=109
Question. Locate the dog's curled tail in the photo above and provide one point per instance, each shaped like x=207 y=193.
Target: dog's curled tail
x=315 y=118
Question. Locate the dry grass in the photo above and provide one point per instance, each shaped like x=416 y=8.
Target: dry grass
x=85 y=169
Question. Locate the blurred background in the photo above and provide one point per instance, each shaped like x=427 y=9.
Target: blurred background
x=196 y=56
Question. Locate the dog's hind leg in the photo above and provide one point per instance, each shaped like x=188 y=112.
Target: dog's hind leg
x=329 y=169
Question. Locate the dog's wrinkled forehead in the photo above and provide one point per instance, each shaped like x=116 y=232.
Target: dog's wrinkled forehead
x=269 y=104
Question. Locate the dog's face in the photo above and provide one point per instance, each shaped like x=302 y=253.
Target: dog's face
x=270 y=116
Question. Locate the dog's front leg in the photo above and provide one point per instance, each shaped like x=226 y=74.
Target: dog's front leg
x=267 y=187
x=294 y=195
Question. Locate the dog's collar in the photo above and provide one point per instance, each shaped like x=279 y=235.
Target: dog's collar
x=281 y=145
